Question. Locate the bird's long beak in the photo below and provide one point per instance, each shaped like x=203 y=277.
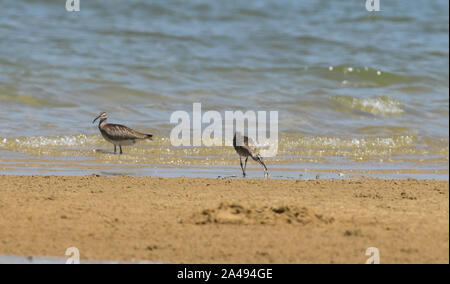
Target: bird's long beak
x=96 y=119
x=260 y=160
x=264 y=165
x=266 y=171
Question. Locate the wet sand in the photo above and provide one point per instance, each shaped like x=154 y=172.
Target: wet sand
x=195 y=220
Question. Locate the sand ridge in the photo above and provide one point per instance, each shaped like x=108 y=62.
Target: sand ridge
x=236 y=213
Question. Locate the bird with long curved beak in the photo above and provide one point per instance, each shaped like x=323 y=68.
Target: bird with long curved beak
x=117 y=134
x=245 y=149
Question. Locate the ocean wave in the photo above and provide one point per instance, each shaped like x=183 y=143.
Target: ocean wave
x=376 y=105
x=292 y=149
x=288 y=145
x=30 y=100
x=366 y=76
x=51 y=141
x=375 y=18
x=123 y=94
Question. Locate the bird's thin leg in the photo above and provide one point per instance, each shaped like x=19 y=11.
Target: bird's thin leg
x=115 y=149
x=243 y=171
x=121 y=152
x=245 y=165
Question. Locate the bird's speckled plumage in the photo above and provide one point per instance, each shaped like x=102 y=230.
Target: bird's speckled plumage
x=117 y=134
x=120 y=132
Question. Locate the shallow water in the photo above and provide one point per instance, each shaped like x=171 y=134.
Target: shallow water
x=354 y=90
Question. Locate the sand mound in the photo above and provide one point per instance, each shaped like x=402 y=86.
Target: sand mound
x=232 y=213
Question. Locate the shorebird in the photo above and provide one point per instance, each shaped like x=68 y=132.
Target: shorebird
x=244 y=149
x=117 y=134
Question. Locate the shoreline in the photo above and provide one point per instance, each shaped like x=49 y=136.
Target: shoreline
x=307 y=171
x=224 y=220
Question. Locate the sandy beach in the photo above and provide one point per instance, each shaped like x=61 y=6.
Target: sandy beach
x=184 y=220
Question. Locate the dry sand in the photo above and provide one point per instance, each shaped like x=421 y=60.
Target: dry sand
x=181 y=220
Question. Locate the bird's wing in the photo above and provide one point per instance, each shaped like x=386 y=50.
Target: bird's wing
x=121 y=132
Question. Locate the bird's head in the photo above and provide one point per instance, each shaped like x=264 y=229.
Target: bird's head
x=102 y=116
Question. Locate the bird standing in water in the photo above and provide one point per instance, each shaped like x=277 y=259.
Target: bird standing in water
x=244 y=149
x=117 y=134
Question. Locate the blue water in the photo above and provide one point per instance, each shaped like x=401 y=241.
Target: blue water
x=330 y=68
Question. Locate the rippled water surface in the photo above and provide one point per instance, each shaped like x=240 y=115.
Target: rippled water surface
x=357 y=92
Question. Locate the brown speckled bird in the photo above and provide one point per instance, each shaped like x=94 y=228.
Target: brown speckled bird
x=117 y=134
x=244 y=149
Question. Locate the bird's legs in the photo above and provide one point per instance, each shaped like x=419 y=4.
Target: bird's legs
x=243 y=171
x=121 y=152
x=115 y=149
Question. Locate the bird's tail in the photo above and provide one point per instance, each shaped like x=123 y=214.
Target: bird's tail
x=149 y=136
